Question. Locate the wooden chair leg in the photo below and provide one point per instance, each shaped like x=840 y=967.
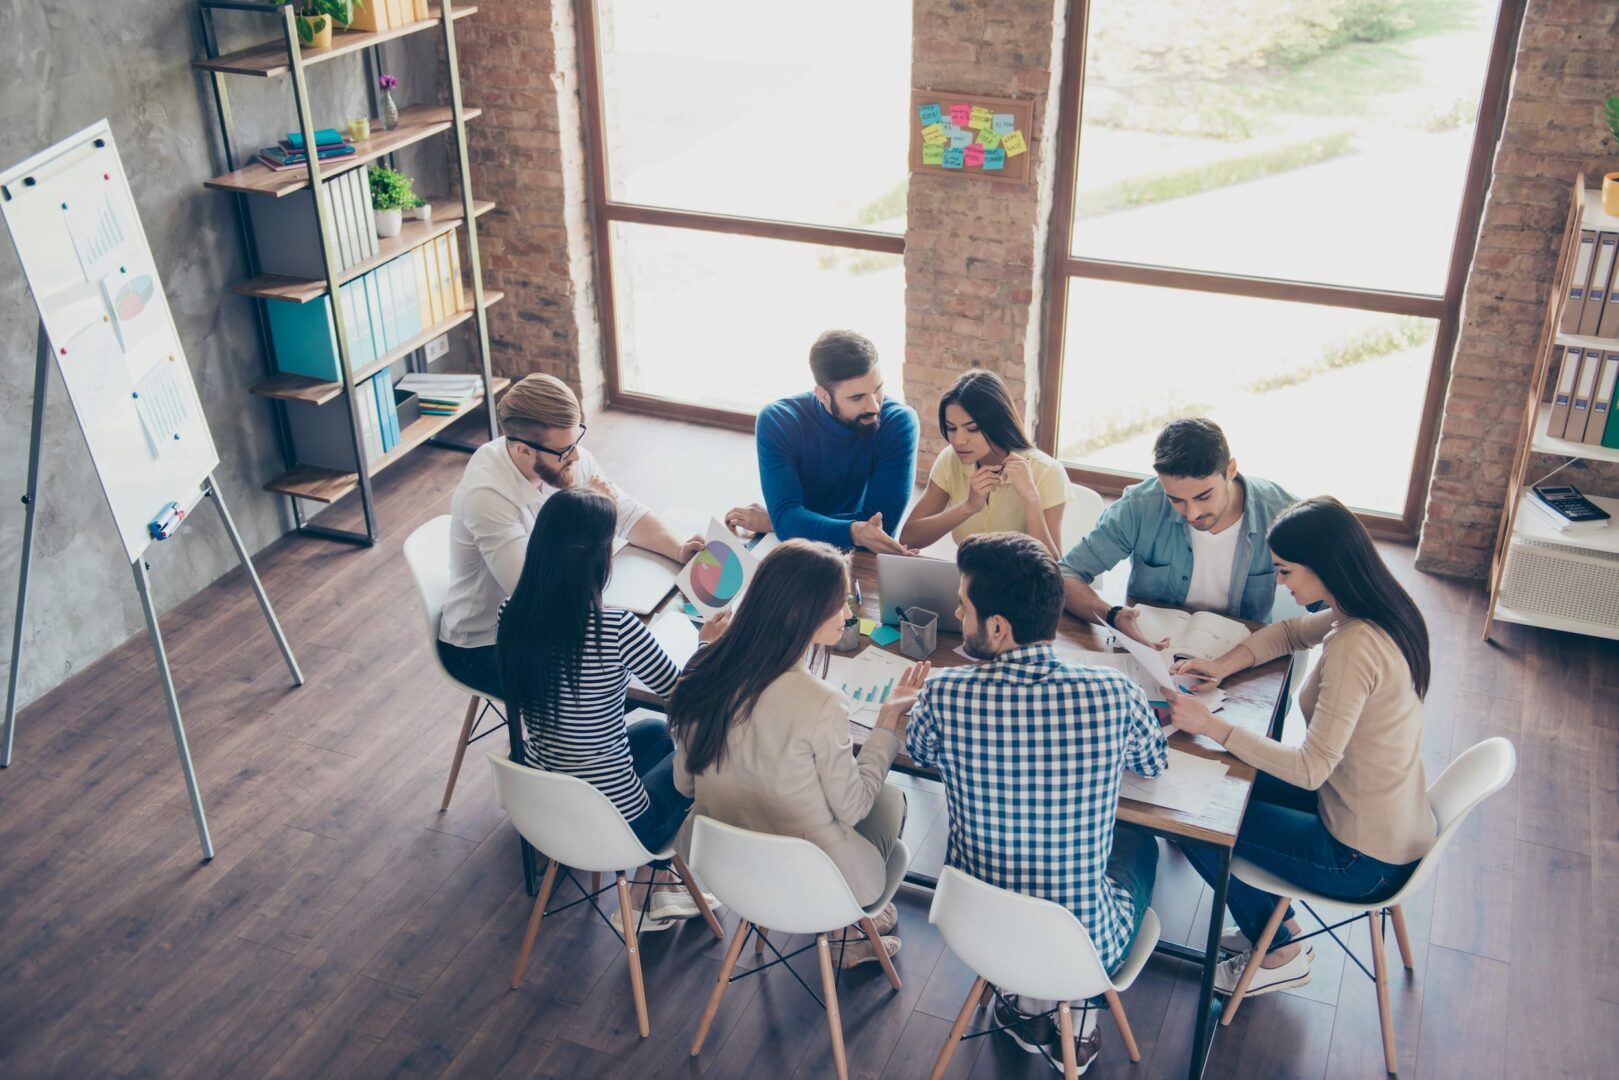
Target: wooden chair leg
x=595 y=882
x=697 y=897
x=546 y=884
x=460 y=750
x=1397 y=914
x=759 y=933
x=718 y=992
x=1255 y=958
x=1385 y=1010
x=870 y=930
x=633 y=952
x=1125 y=1033
x=986 y=997
x=948 y=1051
x=1065 y=1029
x=834 y=1021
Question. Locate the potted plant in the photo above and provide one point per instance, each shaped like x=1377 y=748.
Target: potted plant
x=316 y=19
x=391 y=196
x=1610 y=182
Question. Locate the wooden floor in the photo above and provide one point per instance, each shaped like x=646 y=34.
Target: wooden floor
x=348 y=929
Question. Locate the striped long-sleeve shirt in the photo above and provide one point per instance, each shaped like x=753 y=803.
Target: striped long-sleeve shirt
x=586 y=736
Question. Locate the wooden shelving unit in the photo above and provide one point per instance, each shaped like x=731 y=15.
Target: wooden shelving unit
x=283 y=56
x=1539 y=576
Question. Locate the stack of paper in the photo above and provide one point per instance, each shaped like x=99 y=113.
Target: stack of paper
x=1189 y=784
x=1213 y=698
x=442 y=394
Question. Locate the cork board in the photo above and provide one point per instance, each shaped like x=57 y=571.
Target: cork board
x=992 y=144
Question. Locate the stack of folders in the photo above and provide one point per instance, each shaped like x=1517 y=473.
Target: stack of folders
x=1583 y=397
x=320 y=433
x=383 y=310
x=1591 y=307
x=286 y=238
x=442 y=394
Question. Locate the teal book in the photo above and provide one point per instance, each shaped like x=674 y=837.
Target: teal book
x=305 y=338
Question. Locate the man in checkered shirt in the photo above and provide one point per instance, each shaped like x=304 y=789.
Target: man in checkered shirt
x=1030 y=748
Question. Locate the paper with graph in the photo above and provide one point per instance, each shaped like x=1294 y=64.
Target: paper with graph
x=867 y=679
x=1188 y=785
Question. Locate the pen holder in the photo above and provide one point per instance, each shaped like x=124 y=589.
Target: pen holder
x=850 y=641
x=919 y=633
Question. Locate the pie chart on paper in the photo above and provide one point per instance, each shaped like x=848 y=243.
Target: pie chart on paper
x=717 y=574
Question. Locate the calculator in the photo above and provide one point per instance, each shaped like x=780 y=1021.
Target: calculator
x=1566 y=502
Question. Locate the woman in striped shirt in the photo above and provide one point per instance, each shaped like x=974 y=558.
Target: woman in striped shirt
x=566 y=662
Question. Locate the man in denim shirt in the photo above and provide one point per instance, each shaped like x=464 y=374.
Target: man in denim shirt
x=1195 y=535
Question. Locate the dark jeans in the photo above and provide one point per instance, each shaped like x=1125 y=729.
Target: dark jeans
x=1134 y=865
x=654 y=754
x=475 y=667
x=1283 y=833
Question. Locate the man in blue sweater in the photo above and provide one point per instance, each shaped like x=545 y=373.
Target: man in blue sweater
x=836 y=463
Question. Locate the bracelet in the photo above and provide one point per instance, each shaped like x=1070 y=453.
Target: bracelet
x=1112 y=613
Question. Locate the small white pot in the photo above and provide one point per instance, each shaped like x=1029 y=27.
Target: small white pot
x=389 y=222
x=423 y=212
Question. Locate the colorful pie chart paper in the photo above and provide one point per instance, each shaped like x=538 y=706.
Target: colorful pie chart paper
x=719 y=572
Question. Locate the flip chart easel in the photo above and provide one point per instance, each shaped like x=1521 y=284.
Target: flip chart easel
x=105 y=323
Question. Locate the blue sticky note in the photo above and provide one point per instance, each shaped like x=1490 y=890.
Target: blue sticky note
x=1002 y=124
x=691 y=611
x=953 y=158
x=885 y=634
x=994 y=159
x=928 y=113
x=960 y=139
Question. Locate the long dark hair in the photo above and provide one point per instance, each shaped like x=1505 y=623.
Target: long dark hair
x=557 y=601
x=798 y=586
x=984 y=397
x=1322 y=534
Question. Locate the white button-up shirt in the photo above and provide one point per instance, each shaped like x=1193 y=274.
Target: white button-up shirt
x=491 y=515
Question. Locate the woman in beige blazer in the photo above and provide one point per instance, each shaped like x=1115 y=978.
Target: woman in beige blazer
x=1345 y=814
x=762 y=743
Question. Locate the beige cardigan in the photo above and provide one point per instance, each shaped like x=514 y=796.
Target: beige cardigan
x=789 y=770
x=1363 y=744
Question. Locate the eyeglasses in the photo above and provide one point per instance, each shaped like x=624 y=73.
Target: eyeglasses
x=558 y=454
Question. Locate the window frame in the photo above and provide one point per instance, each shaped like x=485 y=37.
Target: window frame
x=1064 y=266
x=605 y=211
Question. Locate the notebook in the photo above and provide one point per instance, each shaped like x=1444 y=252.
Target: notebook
x=1201 y=635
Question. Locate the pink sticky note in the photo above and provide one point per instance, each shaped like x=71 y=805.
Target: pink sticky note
x=974 y=156
x=960 y=115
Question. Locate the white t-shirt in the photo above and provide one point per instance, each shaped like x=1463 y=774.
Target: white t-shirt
x=1212 y=557
x=491 y=514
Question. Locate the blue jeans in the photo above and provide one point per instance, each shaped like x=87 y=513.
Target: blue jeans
x=1134 y=865
x=653 y=752
x=1284 y=834
x=477 y=668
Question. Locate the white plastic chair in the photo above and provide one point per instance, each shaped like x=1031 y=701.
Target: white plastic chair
x=792 y=886
x=1033 y=948
x=427 y=553
x=1481 y=771
x=578 y=828
x=1080 y=515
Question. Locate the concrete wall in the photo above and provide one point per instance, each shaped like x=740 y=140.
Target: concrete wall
x=66 y=66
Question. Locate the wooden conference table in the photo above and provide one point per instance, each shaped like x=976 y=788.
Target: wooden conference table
x=1255 y=699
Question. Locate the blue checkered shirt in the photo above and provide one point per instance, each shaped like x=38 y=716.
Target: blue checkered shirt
x=1030 y=748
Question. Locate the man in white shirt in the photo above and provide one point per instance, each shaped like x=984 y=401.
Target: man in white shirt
x=493 y=509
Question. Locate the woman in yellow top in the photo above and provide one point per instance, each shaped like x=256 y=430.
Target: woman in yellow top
x=990 y=478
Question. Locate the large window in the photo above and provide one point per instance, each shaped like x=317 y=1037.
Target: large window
x=737 y=223
x=1265 y=208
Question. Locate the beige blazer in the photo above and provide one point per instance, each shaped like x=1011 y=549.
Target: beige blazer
x=789 y=770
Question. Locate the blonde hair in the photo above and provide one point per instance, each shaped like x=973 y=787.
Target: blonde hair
x=538 y=401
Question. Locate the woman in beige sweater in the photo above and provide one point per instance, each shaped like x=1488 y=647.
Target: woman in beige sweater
x=1346 y=813
x=762 y=743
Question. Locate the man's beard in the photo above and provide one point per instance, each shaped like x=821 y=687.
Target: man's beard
x=860 y=423
x=977 y=646
x=552 y=475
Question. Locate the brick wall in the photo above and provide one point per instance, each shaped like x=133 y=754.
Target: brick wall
x=1566 y=64
x=975 y=251
x=519 y=63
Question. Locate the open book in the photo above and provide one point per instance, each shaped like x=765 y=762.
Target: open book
x=1201 y=635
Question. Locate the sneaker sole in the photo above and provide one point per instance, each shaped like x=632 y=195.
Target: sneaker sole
x=1285 y=984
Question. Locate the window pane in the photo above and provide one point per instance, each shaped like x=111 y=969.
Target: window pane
x=727 y=321
x=1324 y=401
x=706 y=103
x=1315 y=140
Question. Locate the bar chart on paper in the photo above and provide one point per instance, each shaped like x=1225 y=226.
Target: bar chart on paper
x=868 y=678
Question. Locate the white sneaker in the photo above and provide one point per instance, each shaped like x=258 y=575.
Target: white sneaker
x=668 y=904
x=1233 y=940
x=648 y=925
x=1296 y=972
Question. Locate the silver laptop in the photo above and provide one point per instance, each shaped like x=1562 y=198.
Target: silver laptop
x=906 y=581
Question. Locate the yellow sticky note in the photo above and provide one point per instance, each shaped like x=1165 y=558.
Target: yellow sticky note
x=867 y=626
x=1014 y=144
x=980 y=119
x=934 y=133
x=989 y=138
x=933 y=153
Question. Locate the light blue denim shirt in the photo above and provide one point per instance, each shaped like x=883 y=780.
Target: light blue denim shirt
x=1143 y=527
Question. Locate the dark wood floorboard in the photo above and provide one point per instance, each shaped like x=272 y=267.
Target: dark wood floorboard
x=346 y=928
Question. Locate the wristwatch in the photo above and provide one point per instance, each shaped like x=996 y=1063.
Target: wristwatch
x=1112 y=612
